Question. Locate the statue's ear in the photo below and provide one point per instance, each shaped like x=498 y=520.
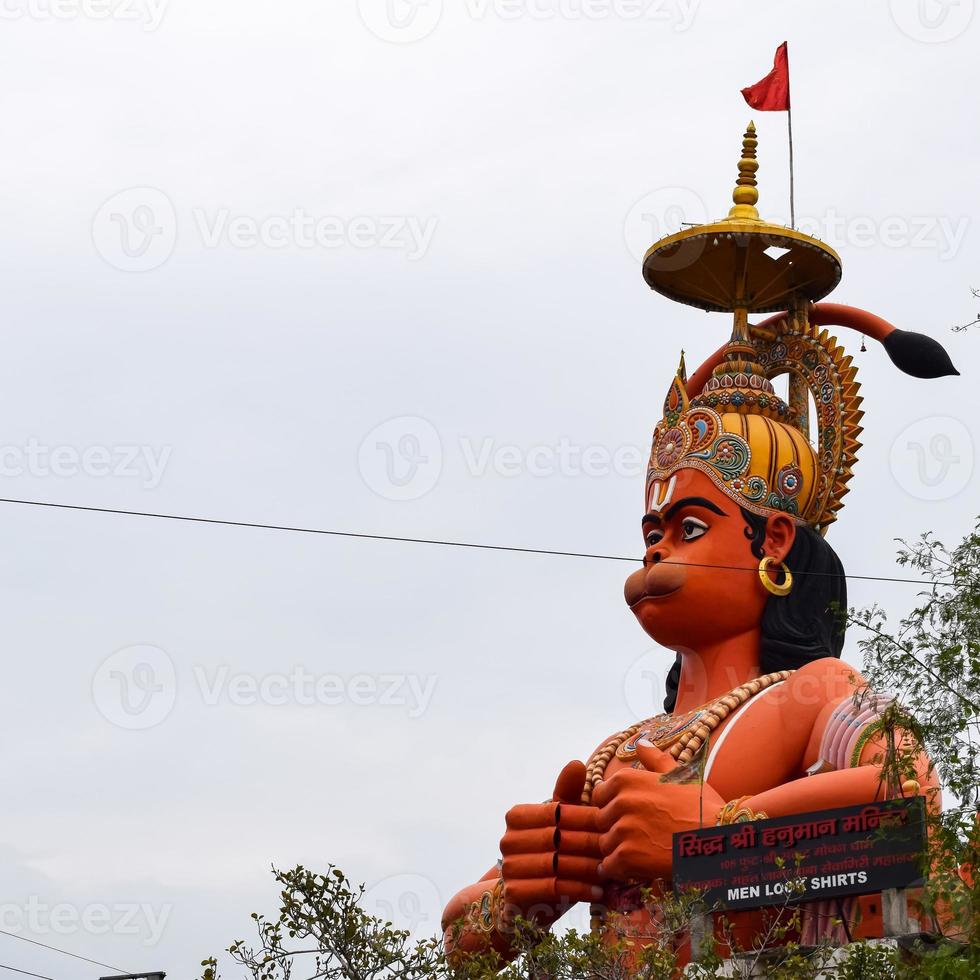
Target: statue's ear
x=780 y=535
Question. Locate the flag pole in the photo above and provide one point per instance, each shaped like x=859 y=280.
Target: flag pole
x=792 y=195
x=789 y=123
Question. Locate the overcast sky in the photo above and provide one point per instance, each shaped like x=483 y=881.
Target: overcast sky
x=374 y=267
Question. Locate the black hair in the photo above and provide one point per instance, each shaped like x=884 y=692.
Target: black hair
x=803 y=626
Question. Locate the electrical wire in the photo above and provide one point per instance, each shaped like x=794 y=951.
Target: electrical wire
x=430 y=541
x=26 y=973
x=77 y=956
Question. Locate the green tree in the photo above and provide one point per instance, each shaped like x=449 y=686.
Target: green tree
x=931 y=664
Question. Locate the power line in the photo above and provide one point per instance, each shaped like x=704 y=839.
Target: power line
x=27 y=973
x=431 y=541
x=77 y=956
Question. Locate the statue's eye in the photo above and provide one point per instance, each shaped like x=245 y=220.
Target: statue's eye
x=654 y=537
x=692 y=528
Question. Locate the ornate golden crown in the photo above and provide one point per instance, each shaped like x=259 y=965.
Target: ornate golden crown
x=727 y=420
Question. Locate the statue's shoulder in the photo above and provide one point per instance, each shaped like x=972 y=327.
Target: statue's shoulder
x=824 y=680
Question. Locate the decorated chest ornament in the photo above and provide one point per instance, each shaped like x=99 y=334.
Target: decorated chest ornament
x=770 y=455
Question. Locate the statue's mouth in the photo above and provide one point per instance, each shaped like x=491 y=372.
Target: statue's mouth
x=653 y=582
x=654 y=595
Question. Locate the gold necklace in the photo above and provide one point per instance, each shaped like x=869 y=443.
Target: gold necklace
x=683 y=737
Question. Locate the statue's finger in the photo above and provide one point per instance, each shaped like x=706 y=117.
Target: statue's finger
x=521 y=867
x=654 y=759
x=578 y=868
x=536 y=840
x=579 y=842
x=527 y=816
x=578 y=817
x=570 y=783
x=578 y=891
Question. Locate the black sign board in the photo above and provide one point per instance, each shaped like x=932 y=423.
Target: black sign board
x=828 y=854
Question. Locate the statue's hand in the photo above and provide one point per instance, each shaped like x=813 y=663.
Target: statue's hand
x=551 y=852
x=638 y=816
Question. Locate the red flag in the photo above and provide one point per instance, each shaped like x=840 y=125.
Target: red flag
x=772 y=93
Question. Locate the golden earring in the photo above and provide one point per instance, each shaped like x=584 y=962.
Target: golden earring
x=787 y=584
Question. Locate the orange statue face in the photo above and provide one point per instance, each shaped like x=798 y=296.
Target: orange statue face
x=681 y=597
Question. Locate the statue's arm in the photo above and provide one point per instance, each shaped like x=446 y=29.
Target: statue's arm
x=471 y=921
x=825 y=791
x=847 y=771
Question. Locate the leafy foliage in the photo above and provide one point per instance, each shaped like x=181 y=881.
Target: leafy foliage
x=932 y=667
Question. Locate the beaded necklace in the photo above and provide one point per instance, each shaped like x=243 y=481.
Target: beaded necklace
x=683 y=736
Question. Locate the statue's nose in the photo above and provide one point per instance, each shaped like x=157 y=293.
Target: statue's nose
x=655 y=554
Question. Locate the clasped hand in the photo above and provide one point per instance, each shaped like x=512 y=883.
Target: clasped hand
x=562 y=852
x=639 y=815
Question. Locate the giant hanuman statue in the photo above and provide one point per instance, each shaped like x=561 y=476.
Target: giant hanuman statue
x=760 y=718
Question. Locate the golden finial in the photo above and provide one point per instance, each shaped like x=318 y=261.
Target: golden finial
x=745 y=194
x=682 y=369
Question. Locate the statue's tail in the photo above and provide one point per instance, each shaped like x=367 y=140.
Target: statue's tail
x=912 y=353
